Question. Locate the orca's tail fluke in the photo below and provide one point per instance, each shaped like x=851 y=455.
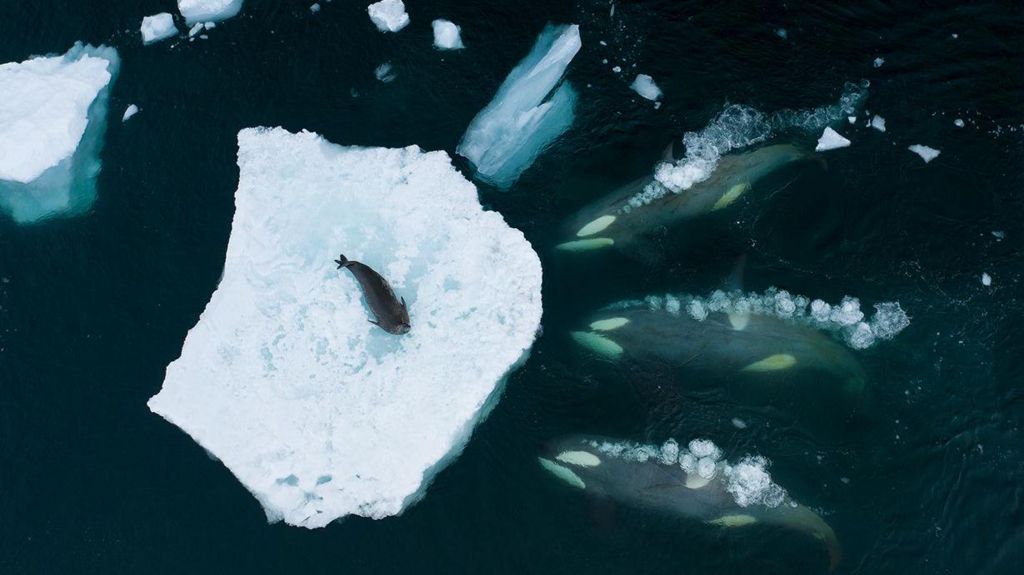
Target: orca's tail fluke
x=342 y=261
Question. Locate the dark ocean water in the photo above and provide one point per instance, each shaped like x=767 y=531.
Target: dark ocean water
x=92 y=309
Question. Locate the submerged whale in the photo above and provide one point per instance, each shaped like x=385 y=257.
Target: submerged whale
x=392 y=313
x=619 y=220
x=734 y=345
x=677 y=482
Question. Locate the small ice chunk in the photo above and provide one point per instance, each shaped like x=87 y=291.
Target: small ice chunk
x=384 y=73
x=851 y=119
x=196 y=29
x=617 y=69
x=53 y=114
x=986 y=280
x=447 y=36
x=645 y=86
x=285 y=381
x=927 y=154
x=209 y=25
x=878 y=123
x=314 y=8
x=129 y=112
x=998 y=234
x=388 y=15
x=157 y=27
x=208 y=10
x=830 y=140
x=781 y=33
x=739 y=423
x=532 y=108
x=878 y=62
x=958 y=123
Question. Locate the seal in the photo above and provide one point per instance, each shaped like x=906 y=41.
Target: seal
x=392 y=313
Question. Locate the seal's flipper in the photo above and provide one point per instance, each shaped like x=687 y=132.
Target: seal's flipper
x=342 y=261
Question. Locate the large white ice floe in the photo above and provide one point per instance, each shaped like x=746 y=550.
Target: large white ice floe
x=157 y=27
x=738 y=127
x=209 y=10
x=53 y=114
x=645 y=86
x=831 y=140
x=388 y=15
x=532 y=108
x=447 y=35
x=845 y=319
x=319 y=413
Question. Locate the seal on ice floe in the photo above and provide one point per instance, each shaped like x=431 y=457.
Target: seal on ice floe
x=391 y=311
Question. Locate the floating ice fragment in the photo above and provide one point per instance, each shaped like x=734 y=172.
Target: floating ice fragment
x=157 y=27
x=645 y=86
x=314 y=8
x=130 y=111
x=617 y=69
x=532 y=108
x=739 y=423
x=878 y=62
x=958 y=123
x=999 y=234
x=830 y=140
x=986 y=280
x=208 y=10
x=383 y=73
x=388 y=15
x=927 y=154
x=878 y=123
x=851 y=119
x=447 y=36
x=196 y=29
x=284 y=378
x=781 y=33
x=53 y=114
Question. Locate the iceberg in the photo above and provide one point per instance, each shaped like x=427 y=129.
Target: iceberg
x=158 y=27
x=645 y=86
x=830 y=140
x=388 y=15
x=53 y=114
x=531 y=109
x=447 y=36
x=316 y=411
x=209 y=10
x=927 y=154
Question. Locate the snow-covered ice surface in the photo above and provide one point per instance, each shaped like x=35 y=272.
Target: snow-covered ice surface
x=447 y=36
x=927 y=154
x=532 y=108
x=830 y=140
x=738 y=127
x=645 y=86
x=53 y=114
x=130 y=111
x=388 y=15
x=157 y=27
x=878 y=123
x=845 y=319
x=209 y=10
x=748 y=480
x=317 y=412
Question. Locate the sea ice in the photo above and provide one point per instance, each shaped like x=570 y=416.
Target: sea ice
x=532 y=108
x=830 y=140
x=645 y=86
x=986 y=280
x=158 y=27
x=130 y=111
x=317 y=412
x=388 y=15
x=53 y=114
x=927 y=154
x=208 y=10
x=879 y=61
x=384 y=73
x=878 y=123
x=447 y=36
x=958 y=123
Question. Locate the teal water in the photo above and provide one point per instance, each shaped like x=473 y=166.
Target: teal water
x=93 y=308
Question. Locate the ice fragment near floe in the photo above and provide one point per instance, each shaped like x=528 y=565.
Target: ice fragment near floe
x=388 y=15
x=645 y=86
x=830 y=140
x=130 y=111
x=878 y=123
x=53 y=114
x=532 y=108
x=158 y=27
x=208 y=10
x=384 y=73
x=927 y=154
x=447 y=35
x=986 y=280
x=284 y=377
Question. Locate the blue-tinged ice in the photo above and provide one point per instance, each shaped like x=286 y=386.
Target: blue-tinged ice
x=532 y=108
x=319 y=413
x=53 y=115
x=209 y=10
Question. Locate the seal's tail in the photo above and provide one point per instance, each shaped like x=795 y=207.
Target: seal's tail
x=342 y=261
